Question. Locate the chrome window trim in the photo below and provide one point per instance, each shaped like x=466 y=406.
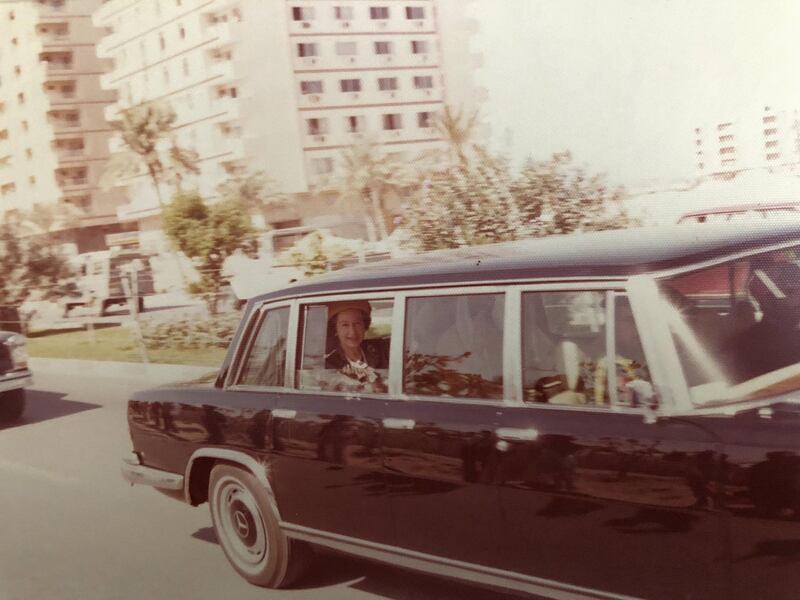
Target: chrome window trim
x=512 y=347
x=611 y=350
x=659 y=348
x=396 y=345
x=245 y=343
x=460 y=570
x=463 y=285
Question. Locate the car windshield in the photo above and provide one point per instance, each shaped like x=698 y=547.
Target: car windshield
x=735 y=326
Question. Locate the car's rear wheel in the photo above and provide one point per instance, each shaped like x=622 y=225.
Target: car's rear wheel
x=12 y=405
x=248 y=531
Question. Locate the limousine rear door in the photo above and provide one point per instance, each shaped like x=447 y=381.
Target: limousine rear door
x=600 y=496
x=439 y=428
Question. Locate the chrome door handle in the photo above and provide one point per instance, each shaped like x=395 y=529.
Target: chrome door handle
x=284 y=413
x=513 y=434
x=391 y=423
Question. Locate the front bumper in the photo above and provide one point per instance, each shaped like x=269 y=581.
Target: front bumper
x=15 y=380
x=135 y=472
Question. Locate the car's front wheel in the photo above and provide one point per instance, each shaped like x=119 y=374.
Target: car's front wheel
x=12 y=405
x=248 y=531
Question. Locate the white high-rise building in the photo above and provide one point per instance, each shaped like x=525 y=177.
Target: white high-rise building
x=284 y=86
x=53 y=134
x=767 y=141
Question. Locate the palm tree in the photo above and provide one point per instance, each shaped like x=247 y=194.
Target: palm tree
x=458 y=130
x=146 y=132
x=367 y=177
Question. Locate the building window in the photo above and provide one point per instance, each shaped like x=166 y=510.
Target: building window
x=378 y=12
x=423 y=82
x=165 y=75
x=17 y=70
x=28 y=153
x=425 y=119
x=771 y=144
x=773 y=156
x=726 y=138
x=415 y=12
x=8 y=188
x=322 y=166
x=383 y=47
x=303 y=13
x=311 y=87
x=769 y=119
x=182 y=32
x=186 y=67
x=162 y=43
x=350 y=85
x=317 y=126
x=32 y=180
x=21 y=98
x=343 y=13
x=392 y=121
x=771 y=131
x=727 y=150
x=346 y=48
x=419 y=46
x=306 y=49
x=353 y=123
x=3 y=134
x=387 y=84
x=25 y=125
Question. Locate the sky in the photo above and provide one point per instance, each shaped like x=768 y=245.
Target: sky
x=623 y=83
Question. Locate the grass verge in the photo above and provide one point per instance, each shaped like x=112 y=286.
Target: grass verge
x=116 y=344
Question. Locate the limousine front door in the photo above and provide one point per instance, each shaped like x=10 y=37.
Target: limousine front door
x=608 y=501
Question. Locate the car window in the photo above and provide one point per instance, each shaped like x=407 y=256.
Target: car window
x=266 y=360
x=453 y=346
x=565 y=351
x=345 y=346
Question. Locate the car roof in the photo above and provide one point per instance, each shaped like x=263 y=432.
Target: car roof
x=606 y=254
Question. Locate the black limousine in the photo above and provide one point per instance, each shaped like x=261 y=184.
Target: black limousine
x=605 y=415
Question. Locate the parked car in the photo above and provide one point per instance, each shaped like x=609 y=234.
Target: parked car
x=103 y=278
x=14 y=375
x=567 y=417
x=739 y=213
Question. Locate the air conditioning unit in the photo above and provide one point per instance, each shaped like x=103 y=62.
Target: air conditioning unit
x=392 y=94
x=314 y=98
x=352 y=59
x=305 y=25
x=382 y=24
x=354 y=95
x=319 y=138
x=428 y=93
x=345 y=24
x=420 y=23
x=310 y=60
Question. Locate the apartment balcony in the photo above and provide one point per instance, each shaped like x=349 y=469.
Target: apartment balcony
x=224 y=34
x=228 y=109
x=73 y=184
x=51 y=9
x=312 y=100
x=57 y=63
x=222 y=70
x=317 y=139
x=70 y=153
x=53 y=35
x=64 y=122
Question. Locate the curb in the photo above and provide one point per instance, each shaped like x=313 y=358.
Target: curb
x=75 y=366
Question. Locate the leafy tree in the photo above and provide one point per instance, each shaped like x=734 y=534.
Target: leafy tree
x=255 y=191
x=317 y=253
x=470 y=196
x=30 y=268
x=208 y=234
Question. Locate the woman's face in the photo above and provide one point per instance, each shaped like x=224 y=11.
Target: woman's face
x=350 y=330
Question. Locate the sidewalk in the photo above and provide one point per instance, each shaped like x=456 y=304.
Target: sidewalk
x=75 y=367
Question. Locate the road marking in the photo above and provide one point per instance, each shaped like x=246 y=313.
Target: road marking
x=36 y=473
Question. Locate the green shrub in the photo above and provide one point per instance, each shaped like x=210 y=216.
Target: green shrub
x=191 y=334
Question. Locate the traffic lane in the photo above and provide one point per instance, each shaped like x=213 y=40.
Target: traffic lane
x=72 y=528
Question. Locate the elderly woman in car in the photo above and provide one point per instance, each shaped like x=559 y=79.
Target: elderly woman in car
x=358 y=360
